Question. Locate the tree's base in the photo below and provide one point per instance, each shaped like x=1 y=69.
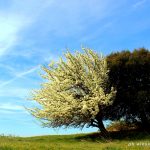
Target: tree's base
x=105 y=134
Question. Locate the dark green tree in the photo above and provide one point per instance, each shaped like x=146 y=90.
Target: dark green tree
x=130 y=75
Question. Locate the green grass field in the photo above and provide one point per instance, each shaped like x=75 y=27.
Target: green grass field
x=124 y=140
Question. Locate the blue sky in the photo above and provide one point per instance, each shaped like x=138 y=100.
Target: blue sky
x=33 y=32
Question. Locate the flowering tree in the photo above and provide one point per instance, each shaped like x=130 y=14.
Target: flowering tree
x=75 y=91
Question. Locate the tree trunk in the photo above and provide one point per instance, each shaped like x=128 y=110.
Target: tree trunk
x=102 y=128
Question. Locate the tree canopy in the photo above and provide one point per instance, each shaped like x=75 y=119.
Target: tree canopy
x=79 y=90
x=130 y=75
x=75 y=91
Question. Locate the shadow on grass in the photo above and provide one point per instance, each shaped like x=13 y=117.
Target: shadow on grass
x=116 y=135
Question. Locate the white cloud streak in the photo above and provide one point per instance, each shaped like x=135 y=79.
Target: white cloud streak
x=9 y=106
x=19 y=75
x=13 y=92
x=139 y=3
x=11 y=24
x=9 y=28
x=19 y=16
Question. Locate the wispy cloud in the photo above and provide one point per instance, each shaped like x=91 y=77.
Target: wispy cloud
x=10 y=106
x=19 y=16
x=9 y=28
x=19 y=75
x=71 y=21
x=139 y=3
x=13 y=92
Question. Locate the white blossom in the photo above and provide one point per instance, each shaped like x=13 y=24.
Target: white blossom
x=74 y=90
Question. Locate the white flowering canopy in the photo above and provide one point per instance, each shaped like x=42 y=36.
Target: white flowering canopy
x=74 y=90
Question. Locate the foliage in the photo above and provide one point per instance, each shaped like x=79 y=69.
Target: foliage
x=75 y=92
x=130 y=75
x=122 y=126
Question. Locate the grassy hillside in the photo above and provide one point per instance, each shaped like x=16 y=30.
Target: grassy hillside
x=122 y=140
